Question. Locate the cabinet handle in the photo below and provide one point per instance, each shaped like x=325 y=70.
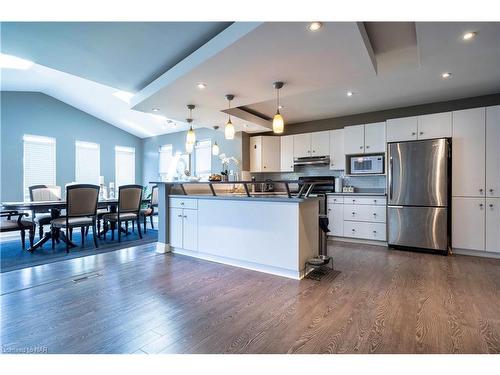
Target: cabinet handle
x=413 y=133
x=491 y=205
x=491 y=190
x=481 y=205
x=374 y=201
x=374 y=231
x=421 y=133
x=361 y=147
x=354 y=213
x=367 y=146
x=329 y=209
x=182 y=203
x=185 y=216
x=481 y=191
x=179 y=215
x=314 y=151
x=354 y=200
x=264 y=167
x=374 y=214
x=354 y=230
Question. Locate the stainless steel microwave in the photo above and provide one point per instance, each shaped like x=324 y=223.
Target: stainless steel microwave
x=370 y=164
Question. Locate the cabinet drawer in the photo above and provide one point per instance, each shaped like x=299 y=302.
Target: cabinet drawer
x=370 y=213
x=367 y=231
x=183 y=203
x=333 y=199
x=375 y=200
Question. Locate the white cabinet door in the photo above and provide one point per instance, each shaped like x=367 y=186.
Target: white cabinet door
x=270 y=154
x=286 y=152
x=320 y=143
x=255 y=154
x=402 y=129
x=468 y=223
x=468 y=153
x=437 y=125
x=354 y=139
x=377 y=231
x=493 y=151
x=302 y=145
x=337 y=155
x=175 y=226
x=493 y=225
x=335 y=220
x=375 y=137
x=190 y=230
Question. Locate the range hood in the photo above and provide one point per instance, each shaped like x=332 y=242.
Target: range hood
x=312 y=160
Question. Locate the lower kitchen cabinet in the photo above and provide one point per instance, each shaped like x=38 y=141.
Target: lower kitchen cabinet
x=493 y=225
x=365 y=230
x=468 y=223
x=364 y=213
x=184 y=228
x=336 y=219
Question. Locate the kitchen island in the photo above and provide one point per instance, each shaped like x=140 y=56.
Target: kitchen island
x=272 y=233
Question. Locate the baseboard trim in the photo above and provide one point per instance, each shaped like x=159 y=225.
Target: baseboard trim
x=162 y=248
x=296 y=275
x=476 y=253
x=357 y=240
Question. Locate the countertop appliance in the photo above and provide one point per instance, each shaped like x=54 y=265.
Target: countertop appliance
x=369 y=164
x=418 y=186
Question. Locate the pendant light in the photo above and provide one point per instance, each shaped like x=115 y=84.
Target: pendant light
x=190 y=136
x=189 y=147
x=229 y=128
x=278 y=122
x=215 y=146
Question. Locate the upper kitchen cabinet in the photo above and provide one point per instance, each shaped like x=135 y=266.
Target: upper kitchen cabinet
x=375 y=137
x=337 y=154
x=311 y=144
x=264 y=154
x=402 y=129
x=302 y=145
x=364 y=139
x=437 y=125
x=320 y=143
x=354 y=139
x=286 y=151
x=493 y=151
x=468 y=153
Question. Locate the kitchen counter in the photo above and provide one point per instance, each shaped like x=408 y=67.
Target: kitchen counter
x=269 y=232
x=360 y=194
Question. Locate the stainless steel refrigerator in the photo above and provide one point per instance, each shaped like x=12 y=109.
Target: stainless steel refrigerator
x=418 y=205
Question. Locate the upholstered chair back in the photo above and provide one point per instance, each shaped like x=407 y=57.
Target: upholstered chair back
x=81 y=200
x=42 y=193
x=129 y=198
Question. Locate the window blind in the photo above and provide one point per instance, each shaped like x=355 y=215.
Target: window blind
x=87 y=162
x=203 y=158
x=165 y=164
x=124 y=165
x=39 y=162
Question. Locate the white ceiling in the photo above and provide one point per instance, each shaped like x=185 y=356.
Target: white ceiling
x=386 y=65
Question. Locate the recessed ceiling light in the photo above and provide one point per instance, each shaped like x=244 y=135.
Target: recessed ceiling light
x=446 y=75
x=469 y=35
x=155 y=109
x=123 y=95
x=314 y=26
x=201 y=85
x=350 y=93
x=13 y=62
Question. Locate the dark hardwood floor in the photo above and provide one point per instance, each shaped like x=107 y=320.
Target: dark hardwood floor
x=134 y=301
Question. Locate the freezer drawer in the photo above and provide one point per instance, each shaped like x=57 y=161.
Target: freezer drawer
x=418 y=227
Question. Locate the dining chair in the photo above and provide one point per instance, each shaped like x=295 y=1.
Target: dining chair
x=18 y=224
x=129 y=207
x=150 y=210
x=43 y=193
x=81 y=209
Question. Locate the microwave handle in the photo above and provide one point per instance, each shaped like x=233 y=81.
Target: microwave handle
x=390 y=177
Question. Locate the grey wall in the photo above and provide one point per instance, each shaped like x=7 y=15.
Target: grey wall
x=178 y=140
x=39 y=114
x=379 y=116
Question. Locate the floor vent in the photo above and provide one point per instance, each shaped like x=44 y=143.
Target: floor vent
x=84 y=278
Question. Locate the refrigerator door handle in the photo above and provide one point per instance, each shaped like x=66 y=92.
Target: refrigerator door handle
x=390 y=178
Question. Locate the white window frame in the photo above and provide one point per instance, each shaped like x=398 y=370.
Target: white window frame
x=166 y=172
x=205 y=145
x=124 y=150
x=89 y=146
x=47 y=180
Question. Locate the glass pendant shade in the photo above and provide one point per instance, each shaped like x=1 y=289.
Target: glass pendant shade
x=189 y=147
x=229 y=130
x=215 y=149
x=278 y=123
x=190 y=137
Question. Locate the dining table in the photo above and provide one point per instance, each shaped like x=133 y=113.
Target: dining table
x=55 y=207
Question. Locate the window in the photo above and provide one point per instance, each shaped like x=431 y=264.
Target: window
x=203 y=159
x=87 y=162
x=166 y=163
x=39 y=162
x=124 y=165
